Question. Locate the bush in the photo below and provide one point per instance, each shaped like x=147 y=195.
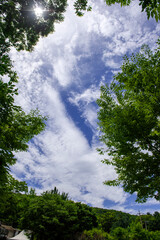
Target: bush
x=95 y=234
x=120 y=233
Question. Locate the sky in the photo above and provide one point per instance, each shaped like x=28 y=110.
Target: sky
x=62 y=78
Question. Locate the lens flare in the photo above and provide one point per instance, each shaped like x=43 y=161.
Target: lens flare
x=38 y=11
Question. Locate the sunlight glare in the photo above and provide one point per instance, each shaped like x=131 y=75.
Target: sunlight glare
x=38 y=11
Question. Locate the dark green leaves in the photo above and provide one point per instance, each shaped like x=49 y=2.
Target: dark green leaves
x=129 y=119
x=20 y=25
x=50 y=216
x=81 y=6
x=16 y=127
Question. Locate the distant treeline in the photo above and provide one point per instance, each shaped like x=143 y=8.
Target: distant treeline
x=53 y=216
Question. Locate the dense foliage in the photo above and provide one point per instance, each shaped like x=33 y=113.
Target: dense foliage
x=22 y=27
x=53 y=215
x=16 y=127
x=129 y=119
x=50 y=216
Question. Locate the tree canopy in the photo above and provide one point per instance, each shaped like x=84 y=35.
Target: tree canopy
x=129 y=120
x=22 y=27
x=151 y=7
x=16 y=127
x=53 y=216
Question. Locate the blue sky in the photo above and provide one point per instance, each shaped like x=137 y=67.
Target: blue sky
x=62 y=78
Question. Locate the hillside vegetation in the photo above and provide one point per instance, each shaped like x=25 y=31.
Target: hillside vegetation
x=52 y=215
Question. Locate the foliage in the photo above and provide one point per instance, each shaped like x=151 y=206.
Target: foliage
x=111 y=219
x=107 y=221
x=12 y=206
x=16 y=127
x=154 y=235
x=150 y=222
x=51 y=216
x=21 y=27
x=120 y=233
x=129 y=119
x=94 y=234
x=152 y=7
x=138 y=233
x=81 y=6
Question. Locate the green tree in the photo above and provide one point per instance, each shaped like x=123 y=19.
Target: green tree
x=81 y=6
x=51 y=216
x=20 y=25
x=153 y=221
x=86 y=217
x=151 y=7
x=154 y=235
x=107 y=221
x=12 y=201
x=16 y=127
x=136 y=232
x=129 y=120
x=95 y=234
x=120 y=233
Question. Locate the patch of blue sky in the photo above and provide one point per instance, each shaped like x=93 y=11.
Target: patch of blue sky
x=108 y=203
x=84 y=191
x=38 y=148
x=151 y=205
x=74 y=113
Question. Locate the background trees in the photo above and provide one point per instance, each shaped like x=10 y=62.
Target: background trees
x=53 y=216
x=129 y=119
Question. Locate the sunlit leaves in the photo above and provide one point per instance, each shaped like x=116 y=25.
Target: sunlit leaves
x=81 y=6
x=22 y=27
x=129 y=119
x=16 y=127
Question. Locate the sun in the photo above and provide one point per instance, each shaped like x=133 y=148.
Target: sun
x=38 y=11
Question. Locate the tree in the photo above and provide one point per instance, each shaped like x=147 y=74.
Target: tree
x=20 y=25
x=107 y=221
x=81 y=6
x=16 y=127
x=129 y=120
x=120 y=233
x=95 y=234
x=136 y=232
x=50 y=216
x=152 y=7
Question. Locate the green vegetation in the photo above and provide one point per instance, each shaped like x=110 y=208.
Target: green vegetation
x=151 y=7
x=53 y=215
x=50 y=216
x=16 y=127
x=129 y=119
x=20 y=25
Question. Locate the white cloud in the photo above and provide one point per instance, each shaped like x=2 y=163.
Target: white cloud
x=61 y=155
x=87 y=96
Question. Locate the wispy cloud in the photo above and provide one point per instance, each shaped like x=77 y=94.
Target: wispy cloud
x=68 y=67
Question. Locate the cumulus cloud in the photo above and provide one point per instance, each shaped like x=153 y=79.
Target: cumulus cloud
x=68 y=67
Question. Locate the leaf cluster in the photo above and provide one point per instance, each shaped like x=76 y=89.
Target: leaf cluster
x=81 y=6
x=129 y=119
x=20 y=25
x=50 y=215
